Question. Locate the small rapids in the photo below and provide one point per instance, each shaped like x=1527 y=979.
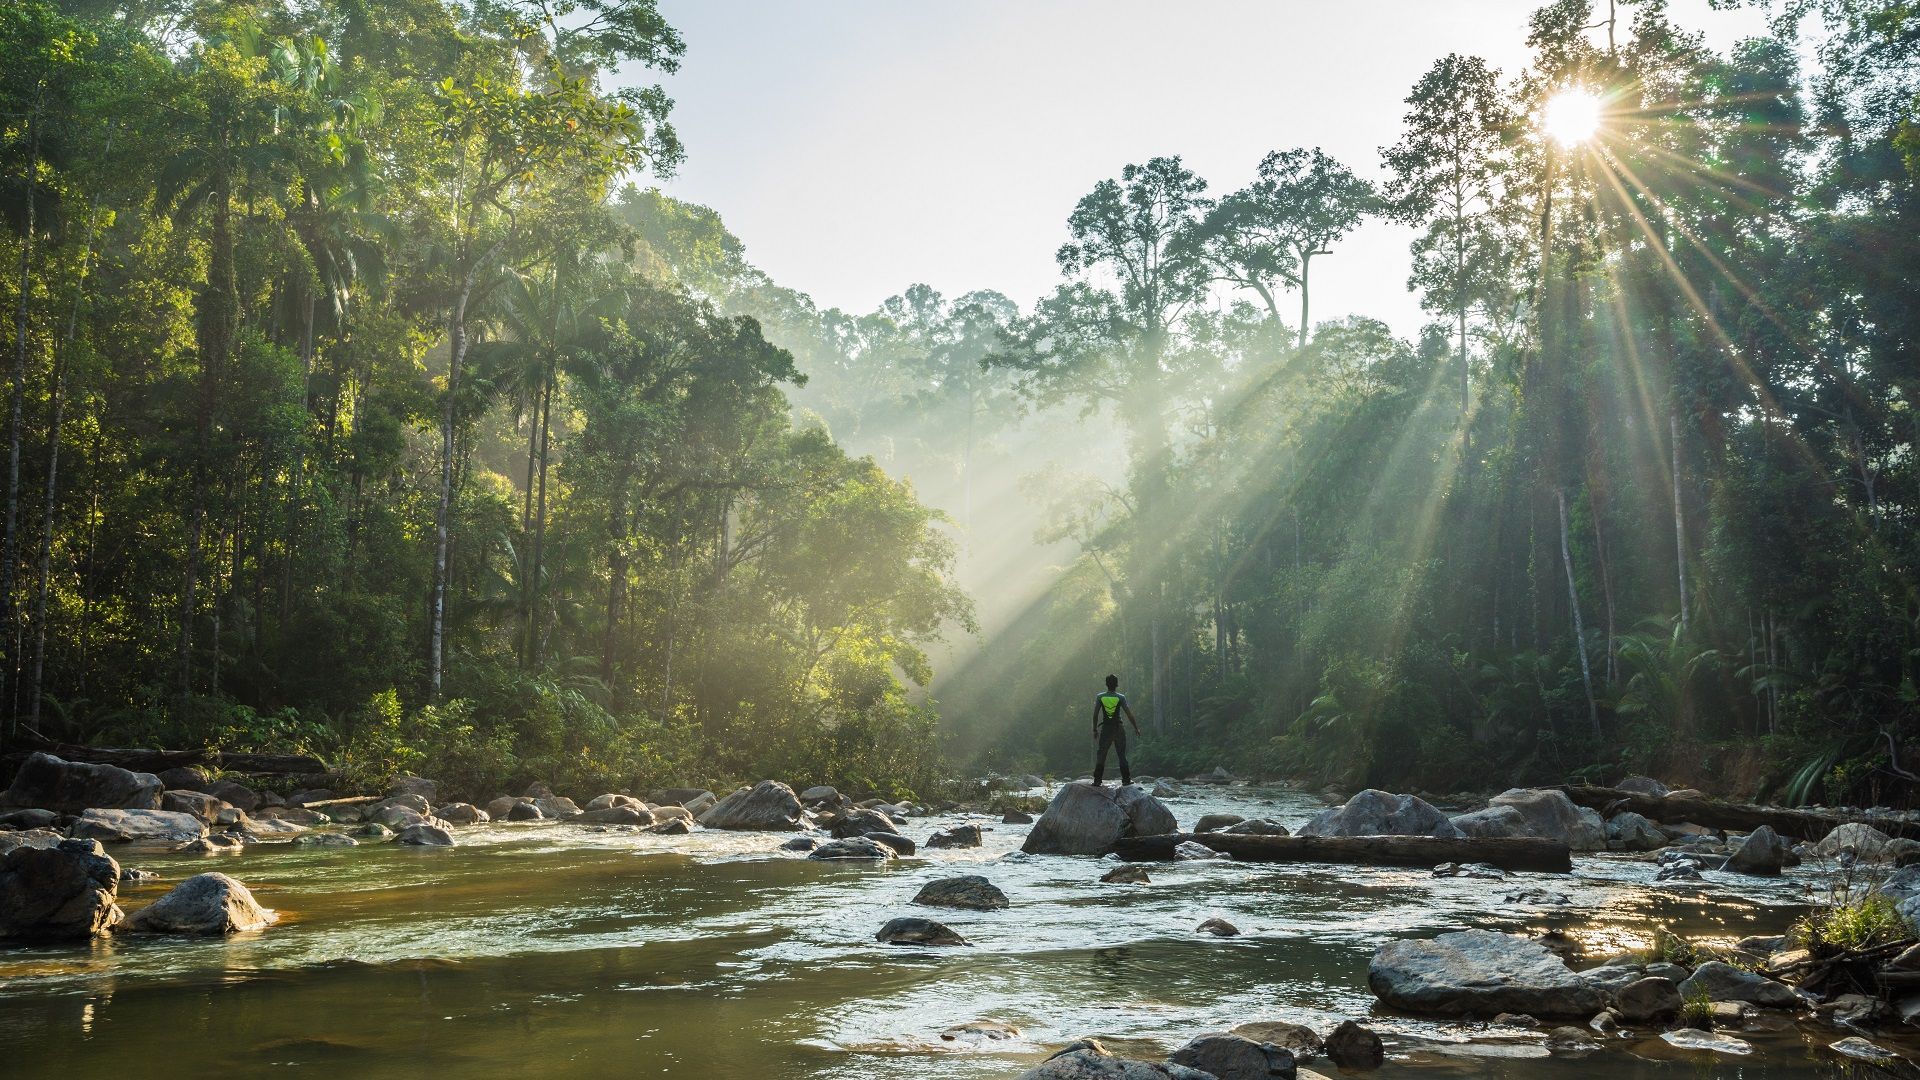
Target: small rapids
x=553 y=950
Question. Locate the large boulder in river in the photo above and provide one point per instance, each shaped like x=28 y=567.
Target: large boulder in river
x=1235 y=1057
x=1861 y=840
x=769 y=805
x=968 y=891
x=138 y=826
x=1763 y=852
x=1628 y=831
x=862 y=822
x=235 y=794
x=461 y=813
x=202 y=904
x=1719 y=981
x=425 y=835
x=69 y=787
x=617 y=815
x=1551 y=815
x=65 y=892
x=1482 y=974
x=853 y=848
x=196 y=803
x=912 y=930
x=1088 y=1060
x=1379 y=813
x=1086 y=820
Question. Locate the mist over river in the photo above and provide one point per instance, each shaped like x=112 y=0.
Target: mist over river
x=553 y=950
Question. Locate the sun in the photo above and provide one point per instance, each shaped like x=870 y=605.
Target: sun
x=1571 y=116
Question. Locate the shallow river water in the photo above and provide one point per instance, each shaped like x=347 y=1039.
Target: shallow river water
x=549 y=950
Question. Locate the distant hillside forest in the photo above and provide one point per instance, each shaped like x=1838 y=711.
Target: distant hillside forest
x=366 y=401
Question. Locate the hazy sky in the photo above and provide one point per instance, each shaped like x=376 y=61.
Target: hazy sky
x=858 y=146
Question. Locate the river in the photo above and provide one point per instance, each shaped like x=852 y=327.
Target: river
x=540 y=950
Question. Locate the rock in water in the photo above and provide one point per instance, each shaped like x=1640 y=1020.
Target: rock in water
x=1550 y=814
x=1861 y=1050
x=1378 y=813
x=1218 y=928
x=673 y=827
x=1351 y=1046
x=1211 y=822
x=65 y=892
x=202 y=904
x=900 y=844
x=1298 y=1039
x=1256 y=827
x=853 y=848
x=328 y=839
x=524 y=811
x=1695 y=1039
x=768 y=805
x=1088 y=1060
x=800 y=843
x=1628 y=831
x=1235 y=1057
x=68 y=787
x=1016 y=817
x=425 y=836
x=461 y=813
x=1719 y=981
x=149 y=826
x=969 y=891
x=1762 y=853
x=236 y=795
x=192 y=803
x=860 y=821
x=1087 y=820
x=617 y=815
x=1643 y=1000
x=1193 y=851
x=1126 y=875
x=914 y=931
x=1479 y=973
x=960 y=836
x=1864 y=841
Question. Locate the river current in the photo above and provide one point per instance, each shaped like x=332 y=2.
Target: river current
x=538 y=950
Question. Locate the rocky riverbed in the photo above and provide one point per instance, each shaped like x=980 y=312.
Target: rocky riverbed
x=564 y=948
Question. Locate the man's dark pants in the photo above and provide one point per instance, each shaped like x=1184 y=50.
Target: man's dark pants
x=1115 y=736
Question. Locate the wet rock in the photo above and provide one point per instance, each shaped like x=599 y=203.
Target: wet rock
x=32 y=818
x=461 y=813
x=1695 y=1039
x=1516 y=1020
x=1128 y=874
x=1235 y=1057
x=960 y=836
x=1644 y=785
x=499 y=808
x=136 y=876
x=399 y=817
x=853 y=848
x=193 y=803
x=1860 y=840
x=146 y=826
x=673 y=827
x=1550 y=814
x=373 y=830
x=1856 y=1011
x=1479 y=973
x=967 y=891
x=1016 y=817
x=1218 y=928
x=900 y=844
x=671 y=813
x=1378 y=813
x=601 y=802
x=1298 y=1039
x=1086 y=1059
x=1763 y=853
x=1210 y=822
x=982 y=1031
x=1861 y=1050
x=202 y=904
x=273 y=829
x=617 y=815
x=1628 y=831
x=235 y=794
x=1719 y=981
x=558 y=807
x=1679 y=871
x=61 y=893
x=424 y=835
x=1470 y=870
x=1645 y=1000
x=425 y=789
x=69 y=787
x=1731 y=1014
x=820 y=794
x=185 y=778
x=329 y=839
x=1193 y=851
x=916 y=931
x=800 y=843
x=860 y=821
x=524 y=811
x=768 y=805
x=1571 y=1040
x=1087 y=820
x=1352 y=1046
x=1256 y=827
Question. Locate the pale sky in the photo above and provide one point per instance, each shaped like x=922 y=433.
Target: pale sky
x=858 y=146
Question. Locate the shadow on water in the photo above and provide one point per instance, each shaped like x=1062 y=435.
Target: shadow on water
x=558 y=951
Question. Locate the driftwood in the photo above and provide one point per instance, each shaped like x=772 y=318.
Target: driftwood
x=1739 y=817
x=1545 y=856
x=158 y=760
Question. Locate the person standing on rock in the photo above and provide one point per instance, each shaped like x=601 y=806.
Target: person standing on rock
x=1107 y=709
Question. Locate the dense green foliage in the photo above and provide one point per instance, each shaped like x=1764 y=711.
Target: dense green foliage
x=351 y=413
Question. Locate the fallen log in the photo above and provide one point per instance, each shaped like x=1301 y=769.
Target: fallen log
x=1543 y=856
x=154 y=761
x=1738 y=817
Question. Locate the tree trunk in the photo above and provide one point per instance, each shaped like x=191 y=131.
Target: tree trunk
x=1573 y=601
x=22 y=304
x=540 y=515
x=219 y=318
x=1306 y=264
x=1679 y=519
x=456 y=353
